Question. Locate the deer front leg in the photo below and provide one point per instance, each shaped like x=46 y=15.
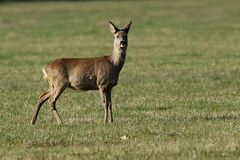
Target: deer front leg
x=109 y=103
x=105 y=104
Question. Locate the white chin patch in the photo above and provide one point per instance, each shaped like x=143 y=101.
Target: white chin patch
x=122 y=46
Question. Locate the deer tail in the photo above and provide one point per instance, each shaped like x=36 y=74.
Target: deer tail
x=44 y=73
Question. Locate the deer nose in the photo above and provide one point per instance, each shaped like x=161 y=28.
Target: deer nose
x=123 y=43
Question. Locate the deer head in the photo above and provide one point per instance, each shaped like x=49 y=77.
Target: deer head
x=120 y=36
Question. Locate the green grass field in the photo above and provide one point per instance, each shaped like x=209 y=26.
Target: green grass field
x=178 y=93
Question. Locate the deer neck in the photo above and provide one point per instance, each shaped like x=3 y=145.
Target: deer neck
x=118 y=57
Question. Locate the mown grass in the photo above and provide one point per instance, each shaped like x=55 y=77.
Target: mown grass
x=178 y=93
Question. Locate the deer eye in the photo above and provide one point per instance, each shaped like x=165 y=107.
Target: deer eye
x=117 y=36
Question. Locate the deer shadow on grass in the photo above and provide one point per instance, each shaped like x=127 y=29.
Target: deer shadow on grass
x=221 y=117
x=164 y=108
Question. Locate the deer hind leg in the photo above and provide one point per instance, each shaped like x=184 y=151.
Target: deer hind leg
x=53 y=99
x=45 y=96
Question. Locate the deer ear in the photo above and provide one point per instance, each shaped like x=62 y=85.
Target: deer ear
x=127 y=27
x=113 y=28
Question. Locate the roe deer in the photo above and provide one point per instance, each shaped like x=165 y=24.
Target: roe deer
x=98 y=73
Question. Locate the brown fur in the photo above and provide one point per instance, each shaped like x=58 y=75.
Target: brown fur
x=99 y=73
